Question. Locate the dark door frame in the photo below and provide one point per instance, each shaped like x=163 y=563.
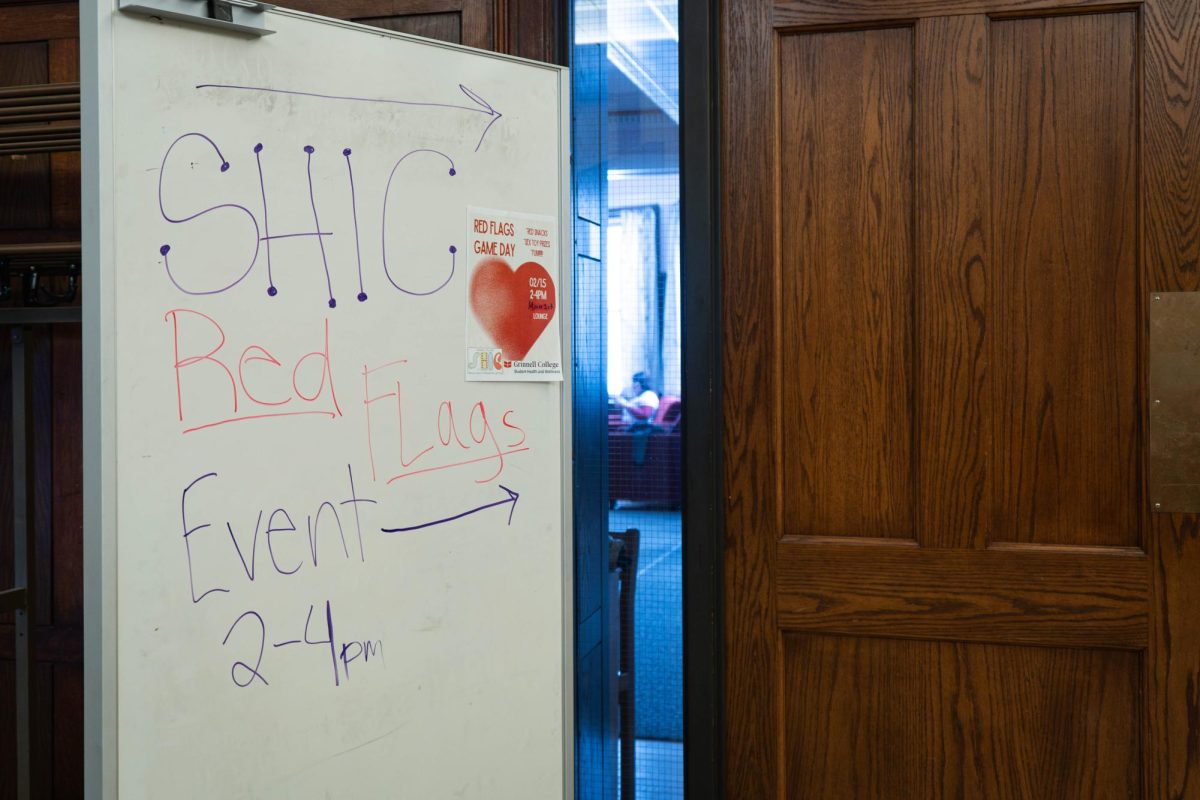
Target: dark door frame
x=703 y=506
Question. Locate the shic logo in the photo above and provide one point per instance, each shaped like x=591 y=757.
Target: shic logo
x=486 y=360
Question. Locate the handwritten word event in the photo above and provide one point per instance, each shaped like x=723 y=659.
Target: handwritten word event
x=211 y=569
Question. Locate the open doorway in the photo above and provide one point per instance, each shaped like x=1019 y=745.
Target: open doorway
x=626 y=63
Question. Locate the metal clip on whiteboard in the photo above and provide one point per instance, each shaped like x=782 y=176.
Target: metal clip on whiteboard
x=239 y=16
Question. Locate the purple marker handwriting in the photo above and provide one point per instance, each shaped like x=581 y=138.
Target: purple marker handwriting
x=478 y=106
x=362 y=292
x=178 y=220
x=384 y=228
x=309 y=149
x=212 y=269
x=510 y=500
x=341 y=653
x=262 y=185
x=215 y=564
x=249 y=673
x=187 y=543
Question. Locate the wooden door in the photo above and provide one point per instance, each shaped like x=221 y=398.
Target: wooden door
x=942 y=223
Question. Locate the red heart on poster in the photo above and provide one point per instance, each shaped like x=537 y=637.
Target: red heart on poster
x=513 y=307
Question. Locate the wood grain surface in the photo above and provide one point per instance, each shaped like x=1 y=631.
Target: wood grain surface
x=846 y=267
x=1014 y=595
x=954 y=264
x=942 y=221
x=889 y=718
x=749 y=371
x=1065 y=300
x=1170 y=219
x=816 y=13
x=39 y=202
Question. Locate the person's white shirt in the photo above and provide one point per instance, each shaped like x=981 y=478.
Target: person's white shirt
x=641 y=407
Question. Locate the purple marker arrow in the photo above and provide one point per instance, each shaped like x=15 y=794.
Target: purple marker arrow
x=477 y=106
x=511 y=498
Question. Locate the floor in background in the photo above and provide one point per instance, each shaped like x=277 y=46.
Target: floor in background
x=658 y=620
x=659 y=770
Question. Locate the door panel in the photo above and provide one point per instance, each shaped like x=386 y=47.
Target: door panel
x=916 y=719
x=1065 y=293
x=846 y=202
x=952 y=276
x=942 y=222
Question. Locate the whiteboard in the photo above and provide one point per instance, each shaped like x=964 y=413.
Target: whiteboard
x=321 y=563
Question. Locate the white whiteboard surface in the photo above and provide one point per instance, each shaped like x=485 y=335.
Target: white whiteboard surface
x=222 y=416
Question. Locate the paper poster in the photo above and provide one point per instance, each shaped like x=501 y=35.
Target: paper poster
x=512 y=297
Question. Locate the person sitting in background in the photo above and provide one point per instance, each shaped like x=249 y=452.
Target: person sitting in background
x=643 y=402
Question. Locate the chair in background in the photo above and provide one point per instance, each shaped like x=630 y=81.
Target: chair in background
x=623 y=559
x=644 y=461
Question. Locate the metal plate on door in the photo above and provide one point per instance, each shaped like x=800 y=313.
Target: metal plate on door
x=1175 y=401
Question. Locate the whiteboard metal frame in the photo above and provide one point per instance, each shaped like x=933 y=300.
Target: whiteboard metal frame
x=99 y=390
x=566 y=274
x=99 y=419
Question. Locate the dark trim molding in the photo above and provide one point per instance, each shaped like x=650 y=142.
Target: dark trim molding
x=703 y=507
x=530 y=29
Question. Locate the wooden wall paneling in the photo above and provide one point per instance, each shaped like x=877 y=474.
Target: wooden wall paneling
x=67 y=523
x=846 y=267
x=444 y=26
x=44 y=192
x=67 y=763
x=41 y=473
x=53 y=29
x=6 y=493
x=528 y=28
x=64 y=167
x=41 y=709
x=41 y=22
x=8 y=707
x=361 y=9
x=478 y=24
x=469 y=22
x=55 y=643
x=25 y=201
x=8 y=730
